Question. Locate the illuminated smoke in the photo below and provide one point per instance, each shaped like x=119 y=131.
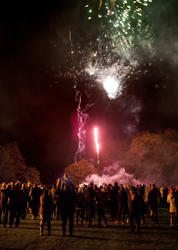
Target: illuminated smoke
x=111 y=174
x=111 y=78
x=131 y=114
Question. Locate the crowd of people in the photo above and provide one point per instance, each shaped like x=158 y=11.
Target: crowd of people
x=85 y=204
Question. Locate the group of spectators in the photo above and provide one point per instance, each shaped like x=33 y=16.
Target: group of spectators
x=85 y=204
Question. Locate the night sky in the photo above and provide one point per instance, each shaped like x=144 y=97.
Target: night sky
x=37 y=103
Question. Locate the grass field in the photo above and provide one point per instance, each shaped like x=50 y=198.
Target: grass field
x=26 y=236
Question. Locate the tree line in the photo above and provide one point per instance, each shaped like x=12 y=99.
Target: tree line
x=150 y=157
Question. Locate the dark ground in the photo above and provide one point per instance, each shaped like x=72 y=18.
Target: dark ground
x=113 y=237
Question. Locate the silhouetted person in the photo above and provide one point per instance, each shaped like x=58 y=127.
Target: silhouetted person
x=112 y=194
x=122 y=205
x=171 y=200
x=25 y=200
x=80 y=206
x=57 y=201
x=143 y=210
x=68 y=198
x=89 y=196
x=4 y=194
x=35 y=194
x=18 y=203
x=134 y=209
x=101 y=201
x=153 y=201
x=12 y=204
x=46 y=211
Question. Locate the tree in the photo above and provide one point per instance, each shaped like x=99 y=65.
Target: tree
x=13 y=166
x=154 y=158
x=78 y=171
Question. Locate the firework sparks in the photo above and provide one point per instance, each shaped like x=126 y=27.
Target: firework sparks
x=112 y=52
x=111 y=84
x=82 y=117
x=96 y=143
x=111 y=78
x=123 y=21
x=122 y=31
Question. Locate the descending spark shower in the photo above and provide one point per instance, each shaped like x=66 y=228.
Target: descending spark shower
x=121 y=30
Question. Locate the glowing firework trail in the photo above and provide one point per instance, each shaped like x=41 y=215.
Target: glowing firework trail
x=81 y=120
x=96 y=143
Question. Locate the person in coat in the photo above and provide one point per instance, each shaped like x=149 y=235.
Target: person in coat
x=153 y=201
x=46 y=211
x=171 y=200
x=134 y=209
x=4 y=194
x=68 y=199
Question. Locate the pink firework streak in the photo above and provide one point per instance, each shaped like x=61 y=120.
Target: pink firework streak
x=96 y=143
x=81 y=119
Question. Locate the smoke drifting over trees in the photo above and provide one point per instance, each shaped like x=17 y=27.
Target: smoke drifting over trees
x=153 y=158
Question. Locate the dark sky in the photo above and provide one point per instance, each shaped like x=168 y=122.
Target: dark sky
x=37 y=106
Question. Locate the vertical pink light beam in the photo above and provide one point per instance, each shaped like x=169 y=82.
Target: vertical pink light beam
x=96 y=143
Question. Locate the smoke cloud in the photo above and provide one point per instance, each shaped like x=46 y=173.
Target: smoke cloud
x=111 y=174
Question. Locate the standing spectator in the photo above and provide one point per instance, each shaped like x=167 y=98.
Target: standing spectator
x=4 y=194
x=172 y=209
x=80 y=206
x=68 y=198
x=35 y=194
x=64 y=182
x=101 y=201
x=11 y=204
x=134 y=209
x=161 y=197
x=57 y=200
x=112 y=193
x=165 y=197
x=46 y=211
x=176 y=202
x=153 y=201
x=52 y=192
x=89 y=196
x=142 y=204
x=18 y=203
x=25 y=200
x=122 y=205
x=145 y=198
